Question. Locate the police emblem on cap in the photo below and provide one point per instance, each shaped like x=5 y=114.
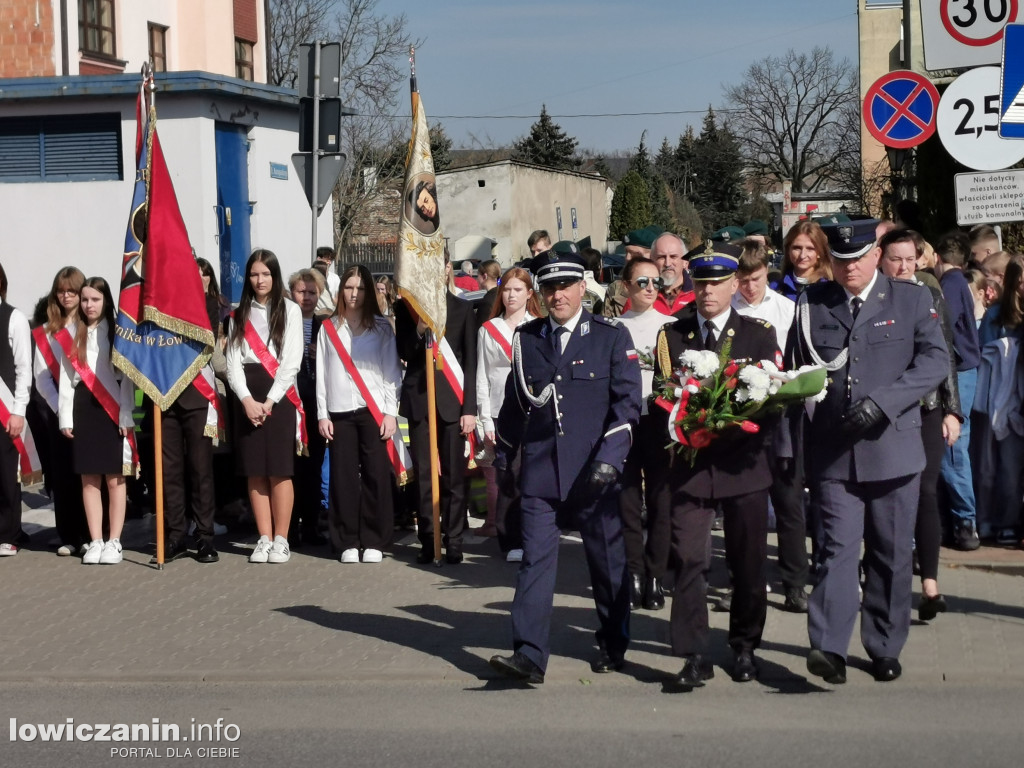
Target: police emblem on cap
x=846 y=233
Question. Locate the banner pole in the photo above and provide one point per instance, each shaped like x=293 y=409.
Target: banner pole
x=435 y=462
x=158 y=476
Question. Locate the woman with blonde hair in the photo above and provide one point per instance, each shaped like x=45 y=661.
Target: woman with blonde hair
x=805 y=259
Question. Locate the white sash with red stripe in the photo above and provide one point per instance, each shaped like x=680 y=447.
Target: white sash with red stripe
x=270 y=365
x=29 y=467
x=452 y=371
x=401 y=461
x=495 y=333
x=103 y=392
x=206 y=384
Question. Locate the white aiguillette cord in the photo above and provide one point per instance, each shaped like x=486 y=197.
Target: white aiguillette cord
x=804 y=321
x=548 y=393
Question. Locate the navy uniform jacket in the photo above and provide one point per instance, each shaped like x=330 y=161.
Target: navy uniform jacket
x=460 y=331
x=897 y=356
x=736 y=464
x=597 y=383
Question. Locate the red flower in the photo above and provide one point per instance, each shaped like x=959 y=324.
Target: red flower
x=731 y=369
x=748 y=426
x=731 y=383
x=702 y=416
x=701 y=438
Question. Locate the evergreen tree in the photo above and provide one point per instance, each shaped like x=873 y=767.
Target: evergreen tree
x=631 y=207
x=718 y=184
x=601 y=167
x=656 y=192
x=547 y=145
x=440 y=148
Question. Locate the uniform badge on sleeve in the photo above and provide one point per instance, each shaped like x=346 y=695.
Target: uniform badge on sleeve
x=778 y=359
x=585 y=328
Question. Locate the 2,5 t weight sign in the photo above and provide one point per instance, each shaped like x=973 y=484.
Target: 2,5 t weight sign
x=968 y=122
x=965 y=33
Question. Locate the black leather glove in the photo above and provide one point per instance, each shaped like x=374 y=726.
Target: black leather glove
x=600 y=477
x=861 y=417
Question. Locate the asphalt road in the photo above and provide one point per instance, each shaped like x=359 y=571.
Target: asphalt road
x=605 y=721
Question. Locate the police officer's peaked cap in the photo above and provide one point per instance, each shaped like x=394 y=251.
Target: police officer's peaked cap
x=850 y=239
x=644 y=238
x=728 y=234
x=713 y=261
x=554 y=267
x=755 y=227
x=566 y=248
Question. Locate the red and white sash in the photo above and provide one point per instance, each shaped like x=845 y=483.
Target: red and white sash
x=104 y=396
x=45 y=344
x=207 y=386
x=499 y=338
x=270 y=365
x=448 y=364
x=401 y=461
x=29 y=467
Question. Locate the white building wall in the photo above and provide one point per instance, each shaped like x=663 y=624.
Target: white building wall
x=469 y=209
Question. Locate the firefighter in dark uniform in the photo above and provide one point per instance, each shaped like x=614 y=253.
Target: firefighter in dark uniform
x=881 y=341
x=731 y=473
x=572 y=402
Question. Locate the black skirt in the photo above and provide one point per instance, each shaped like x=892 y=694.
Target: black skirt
x=267 y=450
x=97 y=447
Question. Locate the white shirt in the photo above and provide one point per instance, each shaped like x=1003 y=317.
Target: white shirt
x=718 y=323
x=375 y=355
x=492 y=370
x=863 y=295
x=97 y=357
x=570 y=326
x=19 y=338
x=329 y=297
x=643 y=328
x=289 y=358
x=774 y=307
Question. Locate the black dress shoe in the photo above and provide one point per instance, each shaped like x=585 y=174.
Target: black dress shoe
x=605 y=662
x=173 y=550
x=796 y=600
x=636 y=591
x=425 y=555
x=886 y=669
x=207 y=553
x=695 y=671
x=453 y=556
x=654 y=595
x=930 y=607
x=745 y=668
x=827 y=665
x=518 y=667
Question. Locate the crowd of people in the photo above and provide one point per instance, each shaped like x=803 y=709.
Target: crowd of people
x=919 y=438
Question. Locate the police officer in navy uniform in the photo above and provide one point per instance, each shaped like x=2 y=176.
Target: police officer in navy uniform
x=881 y=341
x=572 y=402
x=731 y=473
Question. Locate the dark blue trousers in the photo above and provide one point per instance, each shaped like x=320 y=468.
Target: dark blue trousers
x=600 y=526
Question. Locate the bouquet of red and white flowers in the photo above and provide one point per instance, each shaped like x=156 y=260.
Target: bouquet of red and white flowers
x=710 y=394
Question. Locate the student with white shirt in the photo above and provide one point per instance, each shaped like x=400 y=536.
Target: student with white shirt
x=357 y=380
x=95 y=403
x=647 y=464
x=514 y=305
x=264 y=351
x=753 y=296
x=65 y=485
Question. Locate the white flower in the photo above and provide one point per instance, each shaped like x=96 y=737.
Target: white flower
x=701 y=362
x=754 y=377
x=821 y=395
x=741 y=395
x=770 y=367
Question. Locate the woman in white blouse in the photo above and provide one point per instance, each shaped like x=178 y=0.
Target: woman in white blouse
x=263 y=354
x=514 y=305
x=94 y=409
x=357 y=382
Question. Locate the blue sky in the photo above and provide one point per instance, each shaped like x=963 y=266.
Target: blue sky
x=484 y=57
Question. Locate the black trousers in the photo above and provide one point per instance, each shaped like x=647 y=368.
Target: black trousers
x=508 y=515
x=306 y=512
x=787 y=495
x=65 y=485
x=644 y=479
x=746 y=552
x=361 y=512
x=928 y=528
x=451 y=446
x=188 y=460
x=10 y=491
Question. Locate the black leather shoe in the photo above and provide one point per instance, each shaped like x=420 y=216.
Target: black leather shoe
x=965 y=538
x=207 y=553
x=796 y=600
x=425 y=555
x=930 y=607
x=745 y=668
x=453 y=555
x=518 y=667
x=636 y=591
x=605 y=662
x=695 y=671
x=827 y=665
x=654 y=595
x=886 y=669
x=173 y=550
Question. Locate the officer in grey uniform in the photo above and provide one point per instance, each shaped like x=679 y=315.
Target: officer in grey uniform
x=571 y=404
x=881 y=342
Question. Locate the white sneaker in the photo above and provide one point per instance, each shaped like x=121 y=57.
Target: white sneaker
x=8 y=550
x=111 y=554
x=279 y=552
x=65 y=550
x=350 y=556
x=92 y=552
x=262 y=552
x=514 y=556
x=372 y=555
